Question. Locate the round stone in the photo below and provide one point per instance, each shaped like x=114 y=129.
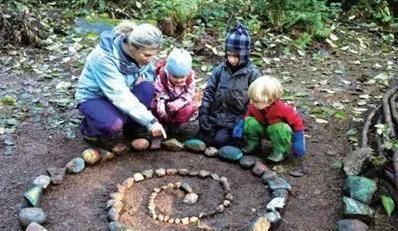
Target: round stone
x=29 y=215
x=230 y=153
x=35 y=227
x=182 y=171
x=203 y=173
x=259 y=168
x=105 y=155
x=140 y=144
x=160 y=172
x=191 y=198
x=173 y=145
x=33 y=195
x=247 y=162
x=75 y=166
x=138 y=177
x=220 y=208
x=171 y=171
x=185 y=220
x=147 y=173
x=42 y=181
x=193 y=219
x=195 y=145
x=211 y=152
x=120 y=149
x=91 y=156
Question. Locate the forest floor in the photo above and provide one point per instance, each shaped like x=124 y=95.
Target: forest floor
x=333 y=88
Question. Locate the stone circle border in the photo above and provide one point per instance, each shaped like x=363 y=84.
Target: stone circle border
x=279 y=187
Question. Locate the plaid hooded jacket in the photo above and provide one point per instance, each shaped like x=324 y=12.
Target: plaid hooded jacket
x=225 y=98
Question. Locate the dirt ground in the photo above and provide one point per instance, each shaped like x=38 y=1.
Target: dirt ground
x=315 y=202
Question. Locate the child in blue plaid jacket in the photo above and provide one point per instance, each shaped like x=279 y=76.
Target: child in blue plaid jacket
x=225 y=97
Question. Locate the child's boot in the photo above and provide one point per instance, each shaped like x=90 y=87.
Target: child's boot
x=276 y=157
x=280 y=135
x=253 y=145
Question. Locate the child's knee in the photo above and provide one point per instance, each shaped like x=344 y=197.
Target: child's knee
x=113 y=127
x=279 y=131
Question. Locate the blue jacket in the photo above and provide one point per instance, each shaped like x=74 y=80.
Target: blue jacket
x=109 y=74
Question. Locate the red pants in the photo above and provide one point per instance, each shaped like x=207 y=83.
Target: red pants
x=178 y=117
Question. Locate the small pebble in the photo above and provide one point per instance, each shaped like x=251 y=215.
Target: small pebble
x=185 y=220
x=186 y=187
x=211 y=152
x=191 y=198
x=160 y=172
x=171 y=171
x=229 y=196
x=42 y=181
x=193 y=173
x=226 y=203
x=215 y=176
x=193 y=219
x=177 y=221
x=220 y=208
x=35 y=227
x=120 y=149
x=183 y=171
x=296 y=173
x=138 y=177
x=203 y=173
x=147 y=173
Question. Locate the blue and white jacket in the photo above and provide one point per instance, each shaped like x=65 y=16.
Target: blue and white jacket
x=110 y=74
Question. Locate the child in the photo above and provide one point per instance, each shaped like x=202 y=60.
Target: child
x=225 y=97
x=268 y=116
x=175 y=89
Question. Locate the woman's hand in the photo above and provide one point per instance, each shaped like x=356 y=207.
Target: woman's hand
x=158 y=130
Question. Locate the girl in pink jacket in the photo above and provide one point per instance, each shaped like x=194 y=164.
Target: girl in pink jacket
x=175 y=89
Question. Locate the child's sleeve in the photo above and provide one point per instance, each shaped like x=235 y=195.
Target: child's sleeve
x=208 y=94
x=160 y=90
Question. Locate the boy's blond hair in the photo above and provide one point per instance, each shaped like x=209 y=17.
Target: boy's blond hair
x=265 y=89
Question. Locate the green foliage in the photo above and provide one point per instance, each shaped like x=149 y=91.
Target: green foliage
x=377 y=10
x=180 y=11
x=388 y=204
x=8 y=100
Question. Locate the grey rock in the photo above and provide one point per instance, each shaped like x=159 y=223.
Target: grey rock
x=259 y=168
x=296 y=173
x=354 y=161
x=203 y=173
x=268 y=175
x=42 y=181
x=75 y=166
x=215 y=176
x=171 y=171
x=182 y=171
x=351 y=225
x=147 y=173
x=173 y=145
x=281 y=193
x=279 y=183
x=29 y=215
x=191 y=198
x=193 y=173
x=247 y=162
x=211 y=152
x=224 y=182
x=186 y=187
x=33 y=195
x=160 y=172
x=56 y=174
x=34 y=226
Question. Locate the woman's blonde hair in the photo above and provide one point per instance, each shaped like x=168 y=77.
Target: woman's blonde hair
x=143 y=36
x=265 y=89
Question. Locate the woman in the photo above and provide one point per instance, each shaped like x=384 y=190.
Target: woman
x=115 y=89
